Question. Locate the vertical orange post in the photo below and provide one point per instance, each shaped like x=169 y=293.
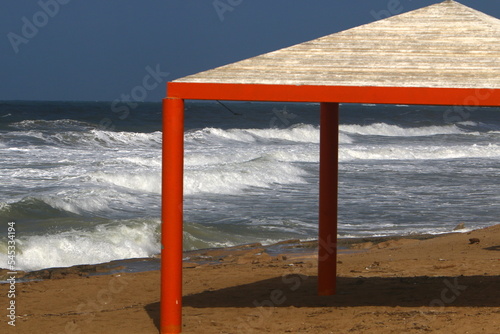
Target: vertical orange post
x=328 y=194
x=171 y=230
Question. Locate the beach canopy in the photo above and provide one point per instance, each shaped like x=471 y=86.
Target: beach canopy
x=443 y=54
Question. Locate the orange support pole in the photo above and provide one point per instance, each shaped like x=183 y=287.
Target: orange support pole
x=171 y=230
x=328 y=194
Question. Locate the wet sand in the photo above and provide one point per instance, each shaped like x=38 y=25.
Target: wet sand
x=443 y=284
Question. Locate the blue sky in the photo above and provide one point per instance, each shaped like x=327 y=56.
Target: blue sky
x=95 y=50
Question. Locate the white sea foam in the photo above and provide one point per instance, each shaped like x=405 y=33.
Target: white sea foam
x=345 y=139
x=144 y=182
x=93 y=198
x=215 y=134
x=300 y=133
x=78 y=203
x=4 y=206
x=143 y=161
x=233 y=178
x=298 y=155
x=60 y=124
x=228 y=161
x=222 y=156
x=382 y=129
x=418 y=152
x=110 y=138
x=93 y=138
x=469 y=123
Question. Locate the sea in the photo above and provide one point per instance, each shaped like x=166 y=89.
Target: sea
x=80 y=182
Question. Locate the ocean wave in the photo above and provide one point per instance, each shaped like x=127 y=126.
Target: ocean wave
x=107 y=139
x=198 y=236
x=86 y=139
x=104 y=243
x=79 y=202
x=419 y=152
x=230 y=155
x=210 y=157
x=64 y=205
x=110 y=138
x=301 y=133
x=143 y=161
x=59 y=125
x=118 y=240
x=233 y=178
x=201 y=236
x=299 y=155
x=388 y=130
x=30 y=207
x=145 y=182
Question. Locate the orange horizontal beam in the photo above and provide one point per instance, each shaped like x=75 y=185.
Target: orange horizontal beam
x=342 y=94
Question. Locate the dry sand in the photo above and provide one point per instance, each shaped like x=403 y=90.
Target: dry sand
x=439 y=285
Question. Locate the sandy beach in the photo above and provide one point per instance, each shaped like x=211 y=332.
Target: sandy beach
x=444 y=284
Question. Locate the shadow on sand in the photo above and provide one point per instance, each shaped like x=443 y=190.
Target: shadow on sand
x=300 y=291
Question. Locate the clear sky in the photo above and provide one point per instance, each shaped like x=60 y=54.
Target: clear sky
x=97 y=50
